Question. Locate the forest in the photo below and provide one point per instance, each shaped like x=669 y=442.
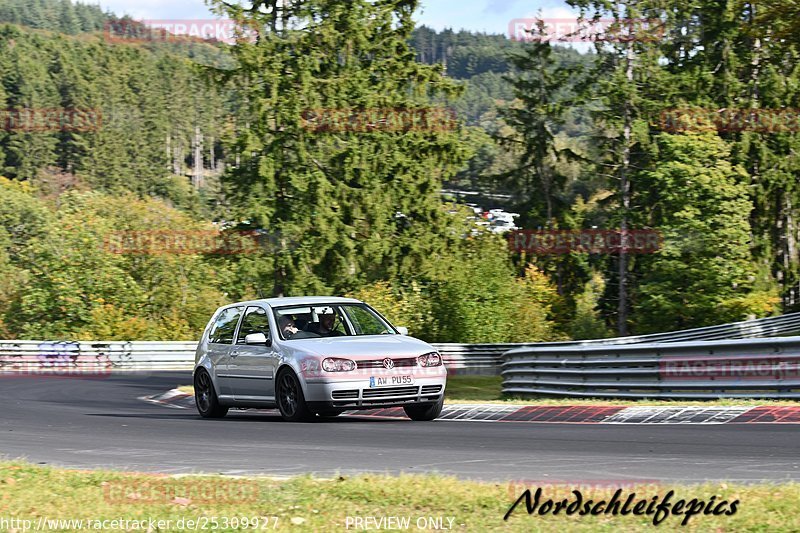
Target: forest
x=185 y=135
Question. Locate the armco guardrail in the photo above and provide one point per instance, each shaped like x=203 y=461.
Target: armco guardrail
x=91 y=356
x=485 y=359
x=459 y=358
x=94 y=356
x=746 y=368
x=774 y=326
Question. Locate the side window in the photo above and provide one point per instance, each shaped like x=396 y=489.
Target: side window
x=225 y=326
x=255 y=321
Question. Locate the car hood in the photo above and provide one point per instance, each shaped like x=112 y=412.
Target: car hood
x=365 y=347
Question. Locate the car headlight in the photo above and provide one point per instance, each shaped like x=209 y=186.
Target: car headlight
x=430 y=359
x=334 y=364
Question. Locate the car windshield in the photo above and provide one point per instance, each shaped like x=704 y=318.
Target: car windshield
x=330 y=320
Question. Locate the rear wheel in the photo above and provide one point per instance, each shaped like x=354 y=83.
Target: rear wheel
x=291 y=401
x=425 y=412
x=205 y=397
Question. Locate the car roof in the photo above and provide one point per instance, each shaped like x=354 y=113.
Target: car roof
x=298 y=300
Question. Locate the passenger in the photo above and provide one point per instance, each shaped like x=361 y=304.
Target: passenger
x=287 y=326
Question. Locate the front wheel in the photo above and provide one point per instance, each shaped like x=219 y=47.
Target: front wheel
x=425 y=412
x=205 y=397
x=291 y=401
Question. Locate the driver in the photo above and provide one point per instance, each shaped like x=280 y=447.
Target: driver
x=325 y=326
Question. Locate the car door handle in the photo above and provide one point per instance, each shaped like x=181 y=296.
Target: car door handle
x=235 y=353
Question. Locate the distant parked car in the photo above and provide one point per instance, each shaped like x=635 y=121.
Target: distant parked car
x=501 y=226
x=313 y=356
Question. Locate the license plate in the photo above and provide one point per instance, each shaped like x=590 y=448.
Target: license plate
x=390 y=381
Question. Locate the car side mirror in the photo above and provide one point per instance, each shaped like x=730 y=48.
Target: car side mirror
x=258 y=339
x=403 y=330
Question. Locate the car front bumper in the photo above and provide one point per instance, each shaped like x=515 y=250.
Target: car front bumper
x=344 y=393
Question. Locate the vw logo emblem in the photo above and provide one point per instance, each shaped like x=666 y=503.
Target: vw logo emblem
x=388 y=363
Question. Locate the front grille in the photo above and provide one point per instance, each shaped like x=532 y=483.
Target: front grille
x=431 y=389
x=389 y=392
x=345 y=395
x=403 y=362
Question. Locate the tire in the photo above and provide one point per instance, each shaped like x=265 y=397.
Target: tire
x=291 y=401
x=425 y=412
x=205 y=397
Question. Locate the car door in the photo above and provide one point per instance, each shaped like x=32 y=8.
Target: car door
x=220 y=343
x=252 y=367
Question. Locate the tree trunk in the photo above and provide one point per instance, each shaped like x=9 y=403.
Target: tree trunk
x=789 y=252
x=197 y=174
x=625 y=198
x=177 y=160
x=169 y=150
x=212 y=160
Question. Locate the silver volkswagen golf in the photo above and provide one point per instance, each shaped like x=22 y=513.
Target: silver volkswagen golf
x=313 y=357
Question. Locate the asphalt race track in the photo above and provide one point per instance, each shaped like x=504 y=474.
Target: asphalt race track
x=101 y=423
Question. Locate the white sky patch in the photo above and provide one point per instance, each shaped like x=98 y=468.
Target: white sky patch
x=491 y=16
x=555 y=12
x=504 y=6
x=553 y=16
x=158 y=9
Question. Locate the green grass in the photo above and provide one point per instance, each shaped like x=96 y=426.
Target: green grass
x=488 y=389
x=474 y=389
x=307 y=504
